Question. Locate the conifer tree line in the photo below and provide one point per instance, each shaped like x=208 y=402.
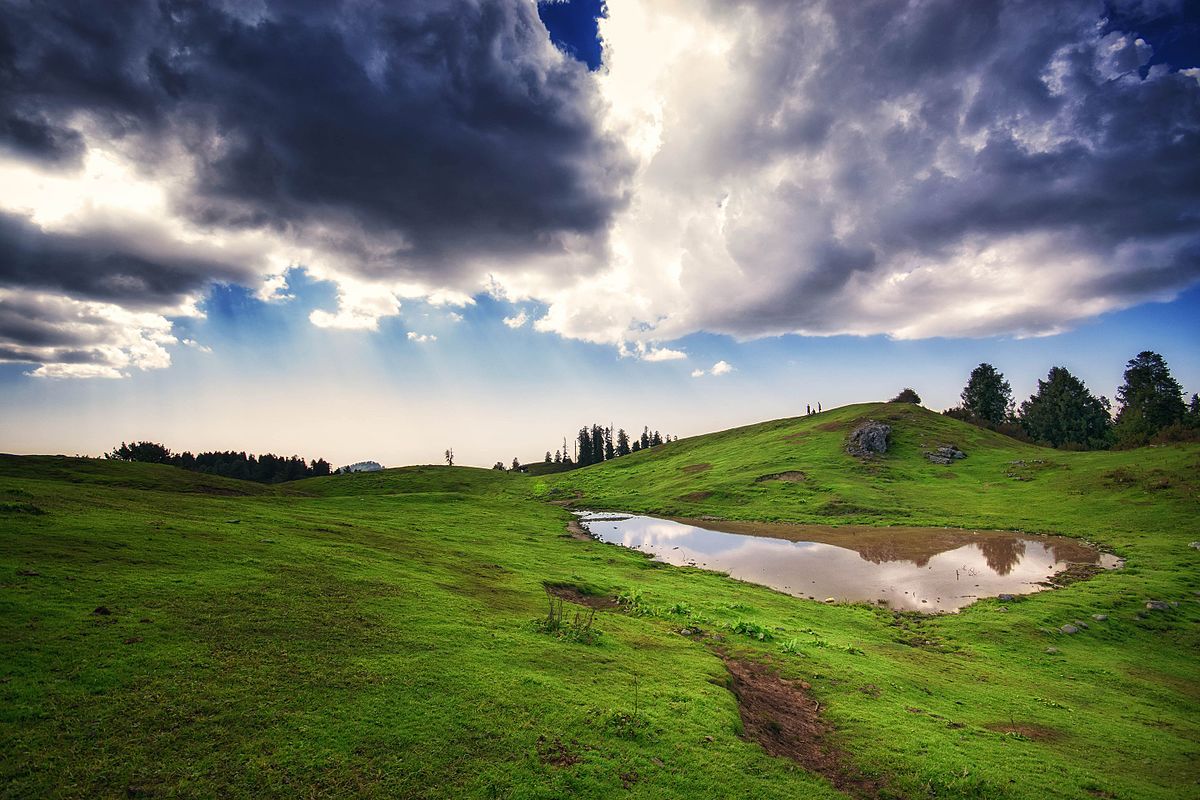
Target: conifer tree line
x=598 y=443
x=1064 y=413
x=267 y=468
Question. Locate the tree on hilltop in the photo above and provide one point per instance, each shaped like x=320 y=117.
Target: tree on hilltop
x=1063 y=413
x=987 y=395
x=1151 y=399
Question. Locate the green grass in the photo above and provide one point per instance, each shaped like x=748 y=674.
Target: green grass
x=378 y=634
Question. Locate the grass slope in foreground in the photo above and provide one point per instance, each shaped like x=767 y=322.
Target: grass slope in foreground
x=373 y=634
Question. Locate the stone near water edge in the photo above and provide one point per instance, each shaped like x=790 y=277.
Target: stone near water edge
x=1069 y=629
x=1006 y=598
x=869 y=439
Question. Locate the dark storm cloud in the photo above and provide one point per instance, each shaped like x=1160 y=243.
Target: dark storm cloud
x=934 y=136
x=450 y=129
x=117 y=264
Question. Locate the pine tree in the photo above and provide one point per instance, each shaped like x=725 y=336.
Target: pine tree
x=558 y=456
x=987 y=396
x=1151 y=399
x=637 y=445
x=516 y=465
x=549 y=458
x=609 y=452
x=622 y=442
x=597 y=444
x=645 y=440
x=656 y=439
x=449 y=456
x=585 y=447
x=1064 y=413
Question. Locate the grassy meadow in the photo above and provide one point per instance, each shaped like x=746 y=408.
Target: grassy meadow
x=171 y=634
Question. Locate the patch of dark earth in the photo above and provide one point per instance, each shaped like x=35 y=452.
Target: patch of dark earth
x=784 y=719
x=572 y=594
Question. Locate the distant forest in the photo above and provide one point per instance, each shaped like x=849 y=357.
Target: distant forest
x=593 y=445
x=267 y=468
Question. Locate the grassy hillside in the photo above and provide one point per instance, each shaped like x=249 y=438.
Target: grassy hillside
x=377 y=634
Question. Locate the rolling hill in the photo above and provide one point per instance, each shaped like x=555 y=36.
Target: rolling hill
x=386 y=633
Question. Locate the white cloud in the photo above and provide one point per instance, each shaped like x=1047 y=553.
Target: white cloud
x=719 y=368
x=517 y=320
x=663 y=354
x=192 y=343
x=360 y=307
x=421 y=338
x=81 y=338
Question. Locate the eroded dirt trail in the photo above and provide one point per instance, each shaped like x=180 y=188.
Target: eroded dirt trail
x=782 y=717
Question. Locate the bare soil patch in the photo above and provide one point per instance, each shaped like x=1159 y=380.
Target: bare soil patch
x=786 y=721
x=791 y=476
x=576 y=531
x=692 y=469
x=695 y=497
x=1074 y=572
x=557 y=754
x=1030 y=730
x=572 y=594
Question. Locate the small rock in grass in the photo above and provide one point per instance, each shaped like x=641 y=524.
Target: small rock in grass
x=1069 y=629
x=1099 y=617
x=28 y=573
x=1194 y=545
x=829 y=600
x=133 y=640
x=1156 y=605
x=686 y=632
x=232 y=521
x=102 y=611
x=1006 y=598
x=1052 y=651
x=1079 y=624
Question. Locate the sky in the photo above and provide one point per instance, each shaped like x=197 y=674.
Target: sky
x=362 y=230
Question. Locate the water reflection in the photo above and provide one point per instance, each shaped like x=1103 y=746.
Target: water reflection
x=925 y=569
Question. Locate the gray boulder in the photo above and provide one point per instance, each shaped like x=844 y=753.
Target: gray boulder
x=945 y=455
x=1069 y=629
x=869 y=439
x=1157 y=605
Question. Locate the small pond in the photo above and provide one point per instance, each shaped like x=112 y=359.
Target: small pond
x=921 y=569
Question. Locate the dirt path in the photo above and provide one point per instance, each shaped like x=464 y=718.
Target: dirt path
x=786 y=721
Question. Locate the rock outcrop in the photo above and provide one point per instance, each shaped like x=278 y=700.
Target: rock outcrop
x=946 y=454
x=869 y=439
